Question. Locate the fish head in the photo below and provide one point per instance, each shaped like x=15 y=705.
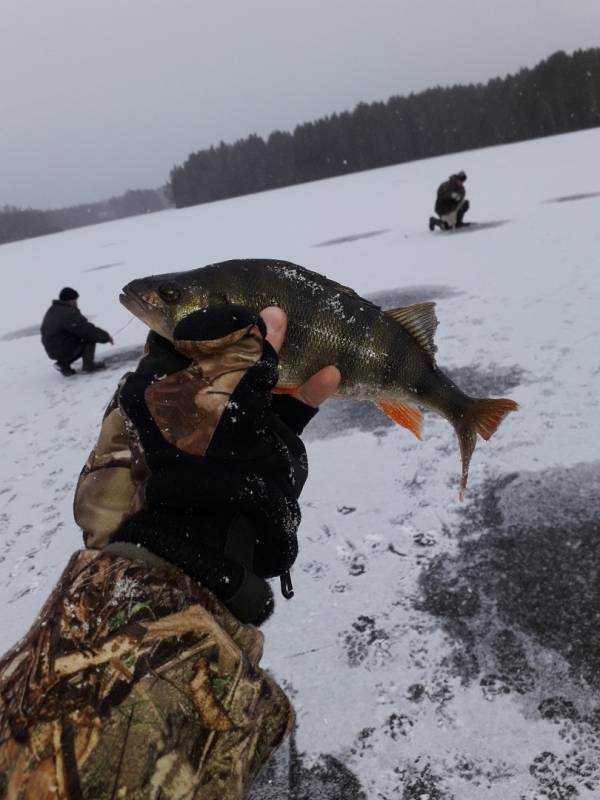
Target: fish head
x=161 y=301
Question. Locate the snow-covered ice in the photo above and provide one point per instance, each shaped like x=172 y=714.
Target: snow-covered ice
x=434 y=650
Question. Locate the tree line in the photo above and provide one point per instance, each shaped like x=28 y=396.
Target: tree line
x=25 y=223
x=558 y=95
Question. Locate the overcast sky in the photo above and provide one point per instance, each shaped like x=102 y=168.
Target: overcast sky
x=97 y=96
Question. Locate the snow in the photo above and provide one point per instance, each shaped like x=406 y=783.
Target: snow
x=383 y=535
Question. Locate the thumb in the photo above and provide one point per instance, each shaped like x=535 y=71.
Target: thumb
x=276 y=321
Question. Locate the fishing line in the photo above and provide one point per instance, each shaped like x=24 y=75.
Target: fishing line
x=123 y=328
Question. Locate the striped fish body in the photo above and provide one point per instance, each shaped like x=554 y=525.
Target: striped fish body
x=383 y=356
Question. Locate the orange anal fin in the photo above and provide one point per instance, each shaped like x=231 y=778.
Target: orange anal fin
x=285 y=390
x=407 y=416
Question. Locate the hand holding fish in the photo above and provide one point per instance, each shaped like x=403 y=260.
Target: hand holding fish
x=219 y=446
x=386 y=356
x=320 y=386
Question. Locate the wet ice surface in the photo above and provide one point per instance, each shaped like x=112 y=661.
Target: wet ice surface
x=351 y=238
x=25 y=333
x=22 y=333
x=570 y=197
x=406 y=296
x=288 y=776
x=433 y=649
x=473 y=227
x=126 y=357
x=104 y=266
x=519 y=599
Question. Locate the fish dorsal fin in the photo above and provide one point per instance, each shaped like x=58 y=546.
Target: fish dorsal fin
x=420 y=321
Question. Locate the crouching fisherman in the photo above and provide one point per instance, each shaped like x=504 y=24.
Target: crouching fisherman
x=140 y=677
x=451 y=204
x=68 y=336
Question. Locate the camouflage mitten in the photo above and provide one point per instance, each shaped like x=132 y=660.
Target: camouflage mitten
x=221 y=461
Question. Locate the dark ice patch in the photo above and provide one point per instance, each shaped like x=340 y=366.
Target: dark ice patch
x=351 y=238
x=421 y=782
x=22 y=333
x=520 y=597
x=408 y=296
x=568 y=198
x=337 y=417
x=286 y=776
x=104 y=266
x=471 y=227
x=126 y=356
x=559 y=777
x=525 y=573
x=489 y=382
x=30 y=330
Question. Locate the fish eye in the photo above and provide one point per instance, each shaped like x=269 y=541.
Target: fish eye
x=169 y=292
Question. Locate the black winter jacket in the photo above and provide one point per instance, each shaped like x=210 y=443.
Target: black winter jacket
x=64 y=330
x=449 y=195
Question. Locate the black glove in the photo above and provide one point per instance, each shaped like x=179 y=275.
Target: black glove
x=222 y=460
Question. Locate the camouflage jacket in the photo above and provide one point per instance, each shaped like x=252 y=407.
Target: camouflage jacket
x=135 y=683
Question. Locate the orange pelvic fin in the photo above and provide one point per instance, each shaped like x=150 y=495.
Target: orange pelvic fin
x=285 y=390
x=407 y=416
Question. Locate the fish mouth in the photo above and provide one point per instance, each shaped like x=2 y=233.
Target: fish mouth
x=150 y=314
x=133 y=302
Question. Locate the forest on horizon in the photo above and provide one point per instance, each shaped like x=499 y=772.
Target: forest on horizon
x=559 y=95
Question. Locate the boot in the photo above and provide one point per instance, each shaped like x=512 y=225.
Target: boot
x=459 y=217
x=434 y=222
x=65 y=369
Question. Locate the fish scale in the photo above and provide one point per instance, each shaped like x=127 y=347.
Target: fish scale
x=383 y=356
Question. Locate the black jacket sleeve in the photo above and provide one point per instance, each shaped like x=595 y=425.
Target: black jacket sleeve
x=78 y=325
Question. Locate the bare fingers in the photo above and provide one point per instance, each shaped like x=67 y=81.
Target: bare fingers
x=276 y=321
x=320 y=386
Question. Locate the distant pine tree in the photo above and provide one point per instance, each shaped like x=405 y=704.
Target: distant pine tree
x=560 y=94
x=25 y=223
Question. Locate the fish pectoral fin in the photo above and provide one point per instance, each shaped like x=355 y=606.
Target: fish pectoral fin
x=405 y=415
x=420 y=321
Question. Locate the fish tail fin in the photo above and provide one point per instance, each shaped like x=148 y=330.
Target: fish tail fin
x=480 y=417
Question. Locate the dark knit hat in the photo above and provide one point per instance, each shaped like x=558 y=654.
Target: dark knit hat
x=68 y=294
